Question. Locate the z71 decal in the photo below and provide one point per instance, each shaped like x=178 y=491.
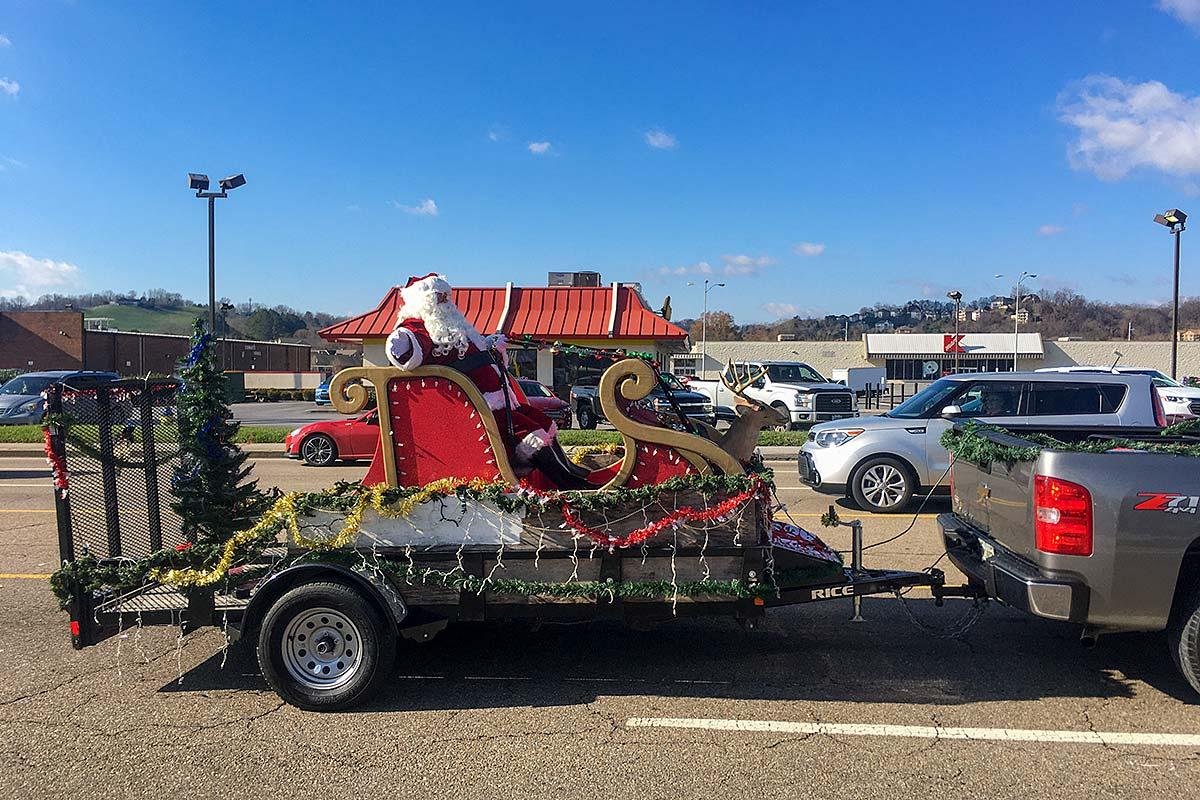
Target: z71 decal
x=1169 y=502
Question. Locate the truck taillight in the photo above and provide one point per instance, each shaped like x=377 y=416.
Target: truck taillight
x=1160 y=416
x=1062 y=520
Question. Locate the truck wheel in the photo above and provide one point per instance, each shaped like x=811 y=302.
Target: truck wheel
x=587 y=419
x=1183 y=633
x=323 y=646
x=318 y=450
x=882 y=485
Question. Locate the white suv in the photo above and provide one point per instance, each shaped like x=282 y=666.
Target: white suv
x=882 y=461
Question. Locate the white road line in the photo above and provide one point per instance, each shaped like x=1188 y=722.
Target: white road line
x=922 y=732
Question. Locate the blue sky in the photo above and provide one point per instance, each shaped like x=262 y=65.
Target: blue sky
x=813 y=156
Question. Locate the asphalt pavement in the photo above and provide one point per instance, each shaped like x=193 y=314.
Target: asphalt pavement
x=812 y=706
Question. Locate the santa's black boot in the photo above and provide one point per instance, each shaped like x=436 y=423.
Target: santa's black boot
x=547 y=462
x=577 y=470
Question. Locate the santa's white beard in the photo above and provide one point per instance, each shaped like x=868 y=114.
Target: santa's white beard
x=447 y=327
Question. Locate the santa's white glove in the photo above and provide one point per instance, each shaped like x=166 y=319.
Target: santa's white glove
x=499 y=343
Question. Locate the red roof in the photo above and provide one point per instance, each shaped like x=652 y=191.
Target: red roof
x=552 y=312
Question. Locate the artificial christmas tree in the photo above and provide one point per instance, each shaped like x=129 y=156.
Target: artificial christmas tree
x=212 y=493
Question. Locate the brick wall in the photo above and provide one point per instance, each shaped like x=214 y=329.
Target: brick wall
x=41 y=340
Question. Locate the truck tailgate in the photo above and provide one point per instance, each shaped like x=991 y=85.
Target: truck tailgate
x=995 y=497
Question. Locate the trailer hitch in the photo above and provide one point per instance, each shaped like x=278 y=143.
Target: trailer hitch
x=966 y=591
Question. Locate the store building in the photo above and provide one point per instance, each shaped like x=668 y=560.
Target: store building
x=610 y=317
x=928 y=356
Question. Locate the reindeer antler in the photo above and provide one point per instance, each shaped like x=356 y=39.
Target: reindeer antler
x=739 y=380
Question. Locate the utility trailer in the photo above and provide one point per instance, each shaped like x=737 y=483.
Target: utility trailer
x=326 y=629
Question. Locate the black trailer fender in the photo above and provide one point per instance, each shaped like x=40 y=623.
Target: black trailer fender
x=374 y=587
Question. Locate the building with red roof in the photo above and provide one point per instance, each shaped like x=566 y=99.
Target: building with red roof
x=612 y=316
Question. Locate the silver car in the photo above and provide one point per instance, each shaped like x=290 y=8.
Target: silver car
x=21 y=401
x=882 y=461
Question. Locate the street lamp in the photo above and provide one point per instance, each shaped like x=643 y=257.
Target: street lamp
x=1017 y=313
x=1174 y=221
x=199 y=183
x=956 y=296
x=708 y=287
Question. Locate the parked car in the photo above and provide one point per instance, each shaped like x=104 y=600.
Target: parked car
x=585 y=401
x=1107 y=541
x=320 y=444
x=1180 y=402
x=321 y=396
x=792 y=387
x=21 y=401
x=543 y=399
x=882 y=461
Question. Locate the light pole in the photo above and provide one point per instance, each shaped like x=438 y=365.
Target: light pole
x=1017 y=313
x=200 y=184
x=956 y=296
x=708 y=287
x=1173 y=220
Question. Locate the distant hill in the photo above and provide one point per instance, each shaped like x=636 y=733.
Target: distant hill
x=148 y=320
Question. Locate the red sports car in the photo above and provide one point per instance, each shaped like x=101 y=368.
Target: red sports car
x=323 y=443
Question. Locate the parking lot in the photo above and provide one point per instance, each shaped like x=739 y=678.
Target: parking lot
x=811 y=706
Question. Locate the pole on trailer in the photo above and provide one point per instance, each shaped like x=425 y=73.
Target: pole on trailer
x=856 y=548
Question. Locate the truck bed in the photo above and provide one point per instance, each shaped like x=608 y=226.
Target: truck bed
x=1143 y=508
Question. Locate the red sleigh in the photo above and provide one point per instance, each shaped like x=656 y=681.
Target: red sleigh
x=435 y=424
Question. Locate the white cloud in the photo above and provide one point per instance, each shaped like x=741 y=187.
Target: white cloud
x=425 y=208
x=745 y=265
x=661 y=140
x=1123 y=126
x=9 y=87
x=22 y=275
x=699 y=268
x=1186 y=11
x=5 y=41
x=539 y=148
x=1050 y=230
x=781 y=310
x=809 y=249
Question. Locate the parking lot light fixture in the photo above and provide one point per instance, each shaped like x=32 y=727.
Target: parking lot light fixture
x=1017 y=312
x=956 y=296
x=199 y=183
x=1173 y=220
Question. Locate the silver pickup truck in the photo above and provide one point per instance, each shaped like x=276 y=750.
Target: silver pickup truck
x=1108 y=540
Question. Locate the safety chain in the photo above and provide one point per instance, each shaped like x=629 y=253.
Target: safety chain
x=957 y=629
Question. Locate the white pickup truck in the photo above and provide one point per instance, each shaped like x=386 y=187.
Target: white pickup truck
x=792 y=387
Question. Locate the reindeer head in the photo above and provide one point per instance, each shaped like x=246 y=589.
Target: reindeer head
x=738 y=379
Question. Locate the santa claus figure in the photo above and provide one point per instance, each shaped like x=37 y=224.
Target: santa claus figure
x=430 y=329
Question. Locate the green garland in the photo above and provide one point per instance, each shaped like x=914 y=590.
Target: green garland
x=967 y=442
x=89 y=573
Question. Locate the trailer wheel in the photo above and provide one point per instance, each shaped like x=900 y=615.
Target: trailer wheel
x=1183 y=633
x=323 y=647
x=882 y=485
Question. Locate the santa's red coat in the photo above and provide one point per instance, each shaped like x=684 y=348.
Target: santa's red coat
x=531 y=428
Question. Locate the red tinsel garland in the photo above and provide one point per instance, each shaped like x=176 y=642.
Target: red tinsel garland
x=58 y=467
x=640 y=535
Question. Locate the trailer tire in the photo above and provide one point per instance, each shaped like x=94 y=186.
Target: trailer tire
x=324 y=646
x=887 y=480
x=1183 y=632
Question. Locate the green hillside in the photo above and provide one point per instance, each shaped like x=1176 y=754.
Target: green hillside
x=148 y=320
